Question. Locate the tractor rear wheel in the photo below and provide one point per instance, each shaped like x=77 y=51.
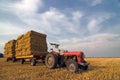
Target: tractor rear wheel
x=72 y=66
x=51 y=61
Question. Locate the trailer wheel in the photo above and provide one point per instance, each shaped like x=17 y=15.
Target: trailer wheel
x=7 y=59
x=13 y=59
x=72 y=66
x=51 y=61
x=33 y=62
x=22 y=61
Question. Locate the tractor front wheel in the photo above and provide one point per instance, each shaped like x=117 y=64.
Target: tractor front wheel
x=72 y=66
x=51 y=61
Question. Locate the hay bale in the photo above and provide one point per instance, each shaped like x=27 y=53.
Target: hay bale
x=9 y=48
x=34 y=34
x=31 y=43
x=20 y=37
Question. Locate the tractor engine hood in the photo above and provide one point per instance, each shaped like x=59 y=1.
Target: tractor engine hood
x=79 y=55
x=74 y=53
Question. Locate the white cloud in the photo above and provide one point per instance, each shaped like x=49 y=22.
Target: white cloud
x=95 y=23
x=94 y=41
x=1 y=46
x=96 y=2
x=102 y=45
x=10 y=29
x=27 y=6
x=77 y=15
x=53 y=21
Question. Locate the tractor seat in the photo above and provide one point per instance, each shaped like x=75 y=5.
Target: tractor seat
x=61 y=52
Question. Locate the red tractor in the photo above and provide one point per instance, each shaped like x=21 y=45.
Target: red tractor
x=72 y=60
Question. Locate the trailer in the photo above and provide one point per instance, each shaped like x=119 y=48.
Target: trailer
x=31 y=45
x=33 y=59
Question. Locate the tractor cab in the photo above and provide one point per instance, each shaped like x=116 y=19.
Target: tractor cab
x=55 y=49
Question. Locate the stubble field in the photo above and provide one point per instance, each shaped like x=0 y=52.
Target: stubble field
x=99 y=69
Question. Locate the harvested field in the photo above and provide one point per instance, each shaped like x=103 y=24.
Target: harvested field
x=99 y=69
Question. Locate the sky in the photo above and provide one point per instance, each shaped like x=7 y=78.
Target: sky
x=91 y=26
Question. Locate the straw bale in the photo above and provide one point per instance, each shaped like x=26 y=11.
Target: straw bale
x=9 y=48
x=34 y=33
x=31 y=43
x=20 y=37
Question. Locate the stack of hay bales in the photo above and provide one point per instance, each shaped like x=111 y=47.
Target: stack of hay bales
x=9 y=48
x=31 y=43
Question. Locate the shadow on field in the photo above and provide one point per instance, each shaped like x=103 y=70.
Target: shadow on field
x=95 y=67
x=91 y=68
